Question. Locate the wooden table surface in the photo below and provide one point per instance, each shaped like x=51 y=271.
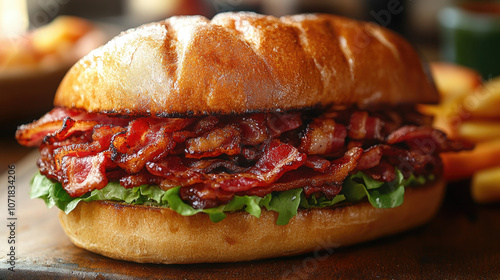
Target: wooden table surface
x=462 y=242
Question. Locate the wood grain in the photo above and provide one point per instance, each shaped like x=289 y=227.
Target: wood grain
x=462 y=242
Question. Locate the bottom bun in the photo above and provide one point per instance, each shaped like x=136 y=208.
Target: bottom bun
x=159 y=235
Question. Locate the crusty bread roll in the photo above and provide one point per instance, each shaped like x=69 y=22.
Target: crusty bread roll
x=233 y=64
x=244 y=62
x=160 y=235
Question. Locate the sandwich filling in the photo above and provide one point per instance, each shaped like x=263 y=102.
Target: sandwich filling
x=210 y=160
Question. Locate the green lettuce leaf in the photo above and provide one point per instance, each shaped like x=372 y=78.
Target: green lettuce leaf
x=379 y=194
x=54 y=195
x=356 y=187
x=285 y=203
x=319 y=202
x=174 y=201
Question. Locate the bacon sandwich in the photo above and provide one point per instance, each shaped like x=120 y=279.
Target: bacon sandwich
x=238 y=138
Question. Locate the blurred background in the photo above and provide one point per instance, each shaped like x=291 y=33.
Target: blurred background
x=41 y=39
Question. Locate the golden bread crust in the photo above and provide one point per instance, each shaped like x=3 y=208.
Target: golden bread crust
x=245 y=62
x=160 y=235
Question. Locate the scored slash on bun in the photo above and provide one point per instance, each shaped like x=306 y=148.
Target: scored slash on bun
x=245 y=62
x=160 y=235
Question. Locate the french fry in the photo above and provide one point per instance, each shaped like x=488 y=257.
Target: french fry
x=454 y=84
x=440 y=122
x=477 y=131
x=453 y=80
x=469 y=111
x=485 y=186
x=484 y=102
x=464 y=164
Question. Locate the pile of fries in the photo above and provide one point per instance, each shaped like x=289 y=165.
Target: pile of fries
x=470 y=111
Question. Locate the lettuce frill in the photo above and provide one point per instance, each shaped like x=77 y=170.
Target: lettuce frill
x=355 y=188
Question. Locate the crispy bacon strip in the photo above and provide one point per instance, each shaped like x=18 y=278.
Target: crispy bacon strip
x=337 y=172
x=32 y=134
x=201 y=196
x=101 y=137
x=225 y=140
x=253 y=129
x=146 y=140
x=370 y=158
x=84 y=174
x=317 y=163
x=134 y=180
x=172 y=168
x=323 y=136
x=69 y=127
x=426 y=139
x=383 y=172
x=278 y=158
x=278 y=123
x=211 y=165
x=216 y=157
x=363 y=126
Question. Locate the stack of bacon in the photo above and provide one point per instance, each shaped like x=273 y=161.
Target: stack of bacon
x=214 y=158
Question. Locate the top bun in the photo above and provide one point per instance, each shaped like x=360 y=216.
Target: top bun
x=246 y=62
